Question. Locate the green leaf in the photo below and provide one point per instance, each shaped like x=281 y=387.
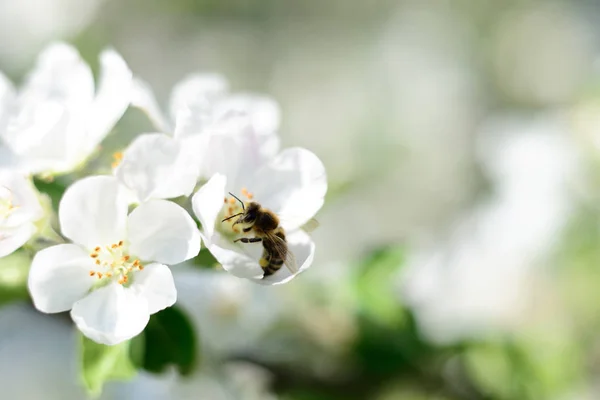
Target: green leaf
x=14 y=269
x=169 y=339
x=101 y=363
x=205 y=260
x=53 y=188
x=375 y=289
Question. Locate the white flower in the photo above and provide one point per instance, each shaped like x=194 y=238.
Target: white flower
x=200 y=100
x=19 y=210
x=232 y=314
x=47 y=353
x=57 y=119
x=114 y=275
x=483 y=278
x=156 y=166
x=201 y=111
x=293 y=185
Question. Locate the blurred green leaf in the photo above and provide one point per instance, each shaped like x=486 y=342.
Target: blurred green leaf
x=377 y=295
x=169 y=339
x=205 y=259
x=55 y=189
x=101 y=363
x=14 y=269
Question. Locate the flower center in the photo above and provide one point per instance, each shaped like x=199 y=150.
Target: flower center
x=114 y=263
x=7 y=206
x=231 y=207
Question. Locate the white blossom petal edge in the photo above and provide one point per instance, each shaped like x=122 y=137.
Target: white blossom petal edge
x=112 y=277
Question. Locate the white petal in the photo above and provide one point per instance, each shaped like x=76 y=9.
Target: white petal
x=13 y=238
x=303 y=248
x=235 y=151
x=162 y=231
x=293 y=185
x=38 y=133
x=112 y=97
x=156 y=166
x=59 y=276
x=144 y=99
x=60 y=75
x=93 y=211
x=155 y=283
x=238 y=260
x=111 y=314
x=8 y=158
x=196 y=89
x=263 y=111
x=7 y=99
x=23 y=196
x=208 y=202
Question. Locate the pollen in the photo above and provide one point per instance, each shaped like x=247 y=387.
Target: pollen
x=114 y=262
x=7 y=206
x=247 y=194
x=117 y=158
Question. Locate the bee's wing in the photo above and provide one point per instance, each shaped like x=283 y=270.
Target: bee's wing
x=281 y=247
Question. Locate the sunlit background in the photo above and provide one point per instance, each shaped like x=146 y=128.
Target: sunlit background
x=458 y=255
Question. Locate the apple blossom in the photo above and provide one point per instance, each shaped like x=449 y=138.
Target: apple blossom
x=113 y=276
x=57 y=119
x=19 y=210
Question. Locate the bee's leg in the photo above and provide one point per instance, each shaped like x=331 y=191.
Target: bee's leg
x=248 y=240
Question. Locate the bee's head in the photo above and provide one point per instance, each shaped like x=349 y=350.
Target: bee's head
x=250 y=214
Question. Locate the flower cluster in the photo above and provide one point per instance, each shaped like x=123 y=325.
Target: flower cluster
x=213 y=153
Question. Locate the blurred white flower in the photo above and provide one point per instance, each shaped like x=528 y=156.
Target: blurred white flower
x=114 y=276
x=29 y=24
x=292 y=185
x=202 y=110
x=232 y=314
x=19 y=210
x=57 y=119
x=40 y=349
x=239 y=381
x=479 y=280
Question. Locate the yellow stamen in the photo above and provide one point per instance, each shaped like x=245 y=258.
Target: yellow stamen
x=117 y=157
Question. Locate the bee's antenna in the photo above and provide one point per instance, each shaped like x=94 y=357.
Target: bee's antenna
x=241 y=202
x=235 y=215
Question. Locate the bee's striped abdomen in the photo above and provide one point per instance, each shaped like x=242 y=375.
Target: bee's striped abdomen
x=272 y=257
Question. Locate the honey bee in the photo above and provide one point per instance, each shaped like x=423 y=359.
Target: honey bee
x=264 y=223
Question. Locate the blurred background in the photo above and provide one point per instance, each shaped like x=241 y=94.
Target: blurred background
x=459 y=250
